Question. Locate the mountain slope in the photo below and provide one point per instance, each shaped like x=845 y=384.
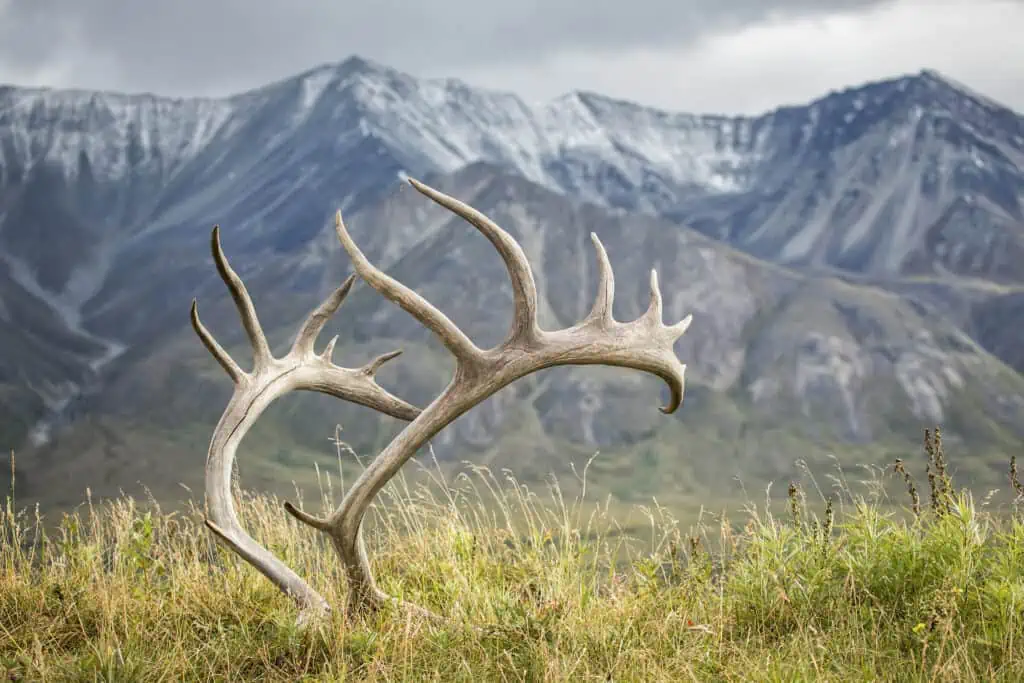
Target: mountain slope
x=781 y=364
x=906 y=177
x=895 y=209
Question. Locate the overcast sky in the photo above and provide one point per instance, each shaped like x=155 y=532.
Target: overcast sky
x=736 y=56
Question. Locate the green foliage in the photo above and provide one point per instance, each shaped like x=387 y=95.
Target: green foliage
x=847 y=587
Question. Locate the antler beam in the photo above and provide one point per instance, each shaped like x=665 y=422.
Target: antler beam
x=644 y=344
x=300 y=369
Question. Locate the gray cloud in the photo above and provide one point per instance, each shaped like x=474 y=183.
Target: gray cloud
x=193 y=46
x=695 y=55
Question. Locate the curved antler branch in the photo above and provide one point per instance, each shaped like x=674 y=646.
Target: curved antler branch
x=300 y=369
x=524 y=288
x=644 y=344
x=431 y=318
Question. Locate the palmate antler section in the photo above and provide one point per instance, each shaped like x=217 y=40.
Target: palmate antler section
x=300 y=369
x=644 y=344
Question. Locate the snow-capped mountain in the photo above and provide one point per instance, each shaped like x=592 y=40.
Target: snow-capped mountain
x=912 y=175
x=106 y=201
x=916 y=175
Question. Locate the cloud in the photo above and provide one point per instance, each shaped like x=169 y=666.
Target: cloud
x=790 y=60
x=189 y=46
x=698 y=55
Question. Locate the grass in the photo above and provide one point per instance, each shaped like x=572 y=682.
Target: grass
x=844 y=589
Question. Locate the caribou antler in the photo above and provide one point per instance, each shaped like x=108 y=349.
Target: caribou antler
x=300 y=369
x=644 y=344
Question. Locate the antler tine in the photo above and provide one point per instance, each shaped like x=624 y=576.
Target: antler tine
x=461 y=346
x=602 y=309
x=674 y=380
x=524 y=288
x=215 y=349
x=371 y=368
x=681 y=327
x=654 y=309
x=246 y=310
x=328 y=352
x=316 y=320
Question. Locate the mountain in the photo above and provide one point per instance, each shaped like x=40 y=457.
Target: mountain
x=844 y=297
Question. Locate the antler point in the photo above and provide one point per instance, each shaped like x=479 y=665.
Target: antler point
x=306 y=518
x=680 y=327
x=346 y=286
x=215 y=529
x=328 y=353
x=370 y=368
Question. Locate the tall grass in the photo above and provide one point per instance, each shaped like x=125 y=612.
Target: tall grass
x=124 y=591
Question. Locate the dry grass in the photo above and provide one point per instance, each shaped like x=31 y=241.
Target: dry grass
x=126 y=592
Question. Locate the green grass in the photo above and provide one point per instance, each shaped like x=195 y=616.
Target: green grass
x=846 y=587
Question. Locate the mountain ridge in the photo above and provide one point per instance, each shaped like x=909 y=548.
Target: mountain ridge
x=680 y=165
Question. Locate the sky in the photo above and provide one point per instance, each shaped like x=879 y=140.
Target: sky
x=704 y=56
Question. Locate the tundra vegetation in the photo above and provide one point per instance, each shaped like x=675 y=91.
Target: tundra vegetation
x=842 y=587
x=480 y=578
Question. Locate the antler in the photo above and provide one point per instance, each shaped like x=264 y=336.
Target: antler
x=300 y=369
x=643 y=344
